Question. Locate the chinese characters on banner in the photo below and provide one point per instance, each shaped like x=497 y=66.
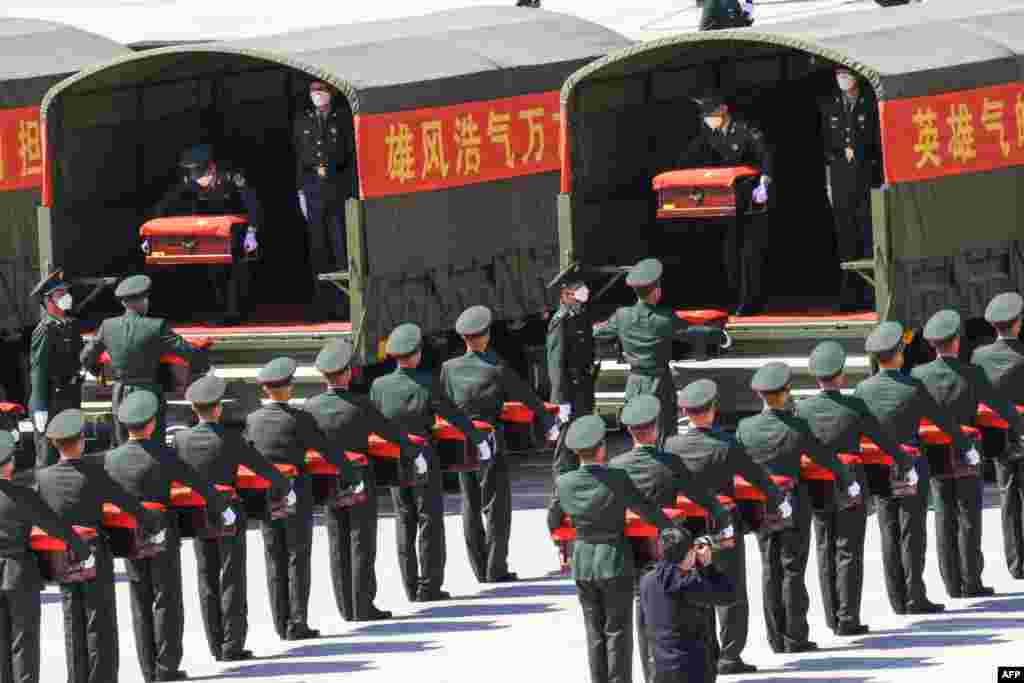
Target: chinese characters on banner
x=21 y=149
x=960 y=132
x=476 y=142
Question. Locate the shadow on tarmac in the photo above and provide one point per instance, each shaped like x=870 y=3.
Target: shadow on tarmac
x=994 y=624
x=490 y=610
x=905 y=641
x=397 y=627
x=526 y=590
x=826 y=664
x=289 y=668
x=361 y=648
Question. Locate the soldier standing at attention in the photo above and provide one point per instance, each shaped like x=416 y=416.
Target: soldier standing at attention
x=56 y=371
x=900 y=402
x=135 y=343
x=958 y=388
x=596 y=497
x=839 y=422
x=776 y=439
x=1003 y=364
x=216 y=454
x=715 y=458
x=719 y=14
x=412 y=398
x=479 y=383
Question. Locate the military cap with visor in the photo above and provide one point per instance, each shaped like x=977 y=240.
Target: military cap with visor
x=885 y=338
x=138 y=408
x=827 y=360
x=278 y=372
x=7 y=447
x=772 y=377
x=942 y=326
x=640 y=410
x=585 y=433
x=645 y=273
x=67 y=424
x=334 y=358
x=53 y=282
x=698 y=396
x=473 y=321
x=404 y=340
x=1004 y=308
x=206 y=391
x=710 y=104
x=133 y=287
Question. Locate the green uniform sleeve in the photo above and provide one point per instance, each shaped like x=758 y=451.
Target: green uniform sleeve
x=175 y=343
x=638 y=503
x=872 y=428
x=517 y=389
x=742 y=464
x=34 y=510
x=314 y=439
x=251 y=458
x=112 y=492
x=937 y=414
x=995 y=400
x=40 y=377
x=608 y=331
x=178 y=470
x=555 y=344
x=444 y=406
x=826 y=457
x=685 y=484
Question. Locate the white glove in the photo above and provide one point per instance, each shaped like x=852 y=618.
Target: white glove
x=291 y=498
x=421 y=464
x=912 y=477
x=564 y=412
x=727 y=532
x=89 y=562
x=553 y=433
x=785 y=509
x=158 y=537
x=41 y=418
x=229 y=517
x=973 y=456
x=484 y=449
x=760 y=195
x=853 y=490
x=359 y=488
x=250 y=244
x=303 y=207
x=748 y=8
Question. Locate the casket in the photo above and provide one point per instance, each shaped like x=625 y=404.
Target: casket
x=254 y=492
x=56 y=564
x=126 y=538
x=704 y=317
x=752 y=504
x=388 y=468
x=193 y=520
x=700 y=523
x=880 y=469
x=176 y=372
x=944 y=460
x=328 y=488
x=702 y=192
x=821 y=485
x=518 y=421
x=993 y=430
x=194 y=240
x=454 y=451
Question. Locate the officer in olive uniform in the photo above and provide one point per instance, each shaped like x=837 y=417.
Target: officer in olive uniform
x=719 y=14
x=412 y=397
x=715 y=458
x=76 y=490
x=216 y=453
x=1003 y=364
x=900 y=402
x=479 y=383
x=56 y=372
x=645 y=331
x=146 y=468
x=661 y=478
x=853 y=157
x=958 y=388
x=348 y=420
x=283 y=434
x=21 y=508
x=596 y=497
x=839 y=422
x=776 y=439
x=135 y=343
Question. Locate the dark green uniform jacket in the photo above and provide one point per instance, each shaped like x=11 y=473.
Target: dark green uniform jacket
x=646 y=333
x=776 y=439
x=719 y=14
x=413 y=397
x=959 y=387
x=21 y=508
x=215 y=453
x=283 y=434
x=480 y=383
x=570 y=353
x=56 y=347
x=77 y=490
x=135 y=344
x=839 y=421
x=1003 y=364
x=146 y=469
x=348 y=420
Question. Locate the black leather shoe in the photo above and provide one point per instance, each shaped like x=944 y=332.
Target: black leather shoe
x=806 y=646
x=302 y=633
x=433 y=595
x=172 y=676
x=926 y=607
x=852 y=630
x=236 y=656
x=980 y=592
x=728 y=667
x=507 y=578
x=375 y=615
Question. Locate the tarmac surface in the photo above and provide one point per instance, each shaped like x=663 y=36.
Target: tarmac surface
x=532 y=630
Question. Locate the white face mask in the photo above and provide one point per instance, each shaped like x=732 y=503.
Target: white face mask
x=713 y=122
x=320 y=98
x=845 y=81
x=65 y=302
x=582 y=294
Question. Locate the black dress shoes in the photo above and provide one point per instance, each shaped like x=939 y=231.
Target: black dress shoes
x=506 y=578
x=375 y=614
x=926 y=607
x=236 y=656
x=727 y=667
x=852 y=629
x=980 y=592
x=806 y=646
x=172 y=676
x=302 y=633
x=434 y=595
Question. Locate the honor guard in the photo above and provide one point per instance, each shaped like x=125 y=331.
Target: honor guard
x=853 y=158
x=1003 y=364
x=56 y=371
x=347 y=420
x=900 y=402
x=777 y=439
x=719 y=14
x=76 y=491
x=714 y=458
x=660 y=477
x=147 y=468
x=215 y=453
x=479 y=383
x=958 y=388
x=412 y=397
x=135 y=343
x=596 y=497
x=283 y=434
x=21 y=508
x=839 y=422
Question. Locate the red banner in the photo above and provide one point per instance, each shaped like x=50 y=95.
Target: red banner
x=959 y=132
x=442 y=147
x=21 y=150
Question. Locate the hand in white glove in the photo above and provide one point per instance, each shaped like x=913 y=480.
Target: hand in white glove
x=421 y=464
x=727 y=532
x=158 y=537
x=553 y=433
x=484 y=449
x=973 y=456
x=760 y=195
x=250 y=244
x=303 y=207
x=359 y=488
x=89 y=562
x=41 y=417
x=785 y=509
x=912 y=477
x=291 y=498
x=854 y=490
x=564 y=412
x=748 y=8
x=229 y=517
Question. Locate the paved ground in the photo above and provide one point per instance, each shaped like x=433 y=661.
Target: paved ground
x=531 y=631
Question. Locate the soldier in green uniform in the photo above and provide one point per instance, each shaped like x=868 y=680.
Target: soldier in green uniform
x=899 y=402
x=958 y=388
x=839 y=422
x=646 y=331
x=54 y=365
x=1003 y=364
x=479 y=383
x=661 y=478
x=412 y=397
x=719 y=14
x=776 y=439
x=715 y=458
x=596 y=497
x=135 y=343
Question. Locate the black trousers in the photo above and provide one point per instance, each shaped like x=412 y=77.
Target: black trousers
x=1010 y=475
x=419 y=533
x=901 y=522
x=327 y=242
x=608 y=616
x=90 y=623
x=851 y=213
x=158 y=611
x=647 y=663
x=223 y=588
x=958 y=532
x=19 y=635
x=61 y=398
x=288 y=546
x=839 y=543
x=734 y=618
x=487 y=518
x=784 y=556
x=742 y=249
x=352 y=543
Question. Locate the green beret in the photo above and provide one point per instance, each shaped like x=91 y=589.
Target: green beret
x=1005 y=308
x=827 y=360
x=67 y=424
x=774 y=376
x=51 y=283
x=206 y=390
x=885 y=338
x=7 y=447
x=585 y=432
x=942 y=326
x=138 y=408
x=133 y=287
x=473 y=321
x=404 y=340
x=698 y=395
x=645 y=273
x=640 y=410
x=278 y=372
x=333 y=358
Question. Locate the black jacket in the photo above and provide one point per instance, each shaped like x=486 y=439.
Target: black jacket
x=215 y=452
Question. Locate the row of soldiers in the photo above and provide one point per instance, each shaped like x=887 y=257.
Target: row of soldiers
x=702 y=462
